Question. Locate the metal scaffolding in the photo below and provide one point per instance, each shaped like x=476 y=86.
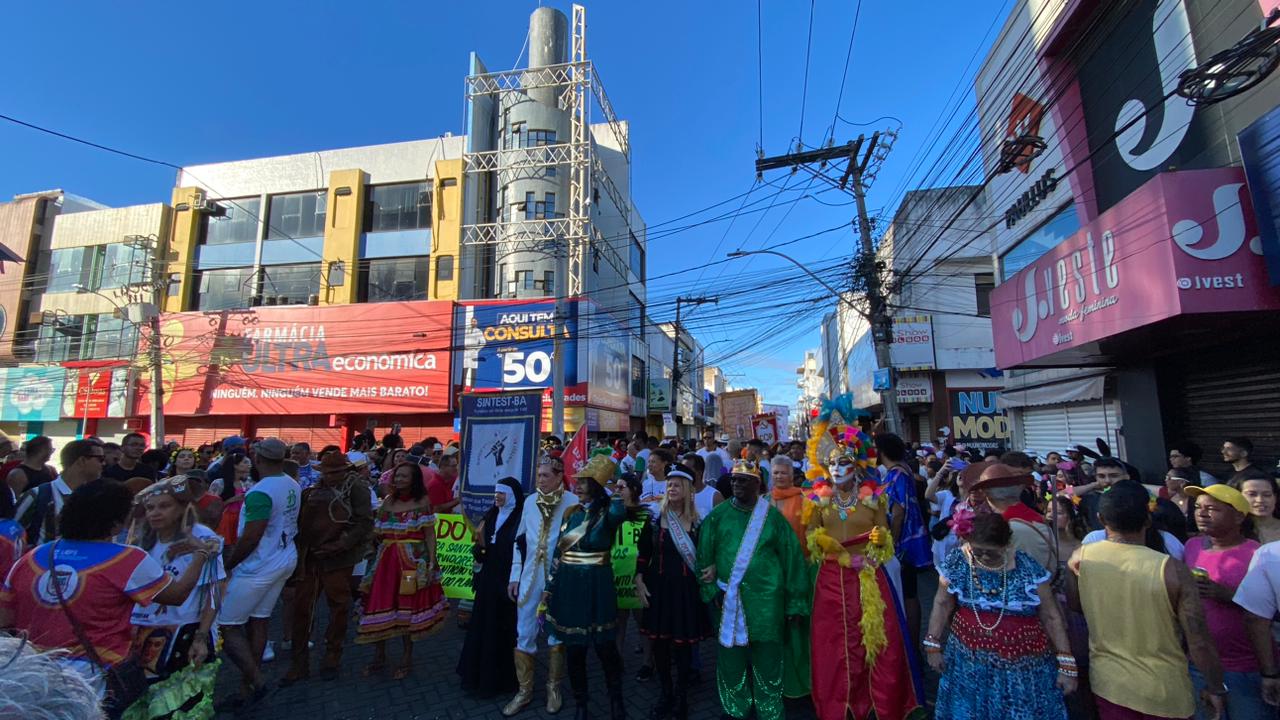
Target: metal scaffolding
x=572 y=234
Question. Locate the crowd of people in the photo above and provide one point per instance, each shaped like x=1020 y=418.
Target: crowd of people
x=1066 y=587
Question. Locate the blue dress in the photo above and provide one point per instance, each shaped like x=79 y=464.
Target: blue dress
x=913 y=547
x=997 y=667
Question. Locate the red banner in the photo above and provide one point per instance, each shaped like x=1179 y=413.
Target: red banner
x=383 y=357
x=575 y=454
x=764 y=427
x=93 y=392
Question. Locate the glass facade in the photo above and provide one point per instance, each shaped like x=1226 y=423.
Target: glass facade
x=1043 y=239
x=225 y=289
x=238 y=224
x=290 y=284
x=297 y=215
x=69 y=267
x=394 y=279
x=398 y=207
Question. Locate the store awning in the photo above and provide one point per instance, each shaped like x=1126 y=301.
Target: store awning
x=1051 y=393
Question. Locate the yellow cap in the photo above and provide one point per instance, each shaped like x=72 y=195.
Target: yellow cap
x=1221 y=493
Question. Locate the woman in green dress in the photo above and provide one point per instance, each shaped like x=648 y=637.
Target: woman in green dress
x=582 y=605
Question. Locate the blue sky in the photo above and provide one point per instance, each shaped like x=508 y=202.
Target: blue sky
x=238 y=80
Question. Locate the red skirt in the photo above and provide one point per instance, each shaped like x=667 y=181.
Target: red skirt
x=842 y=680
x=387 y=613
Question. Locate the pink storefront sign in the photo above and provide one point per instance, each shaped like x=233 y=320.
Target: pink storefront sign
x=1183 y=243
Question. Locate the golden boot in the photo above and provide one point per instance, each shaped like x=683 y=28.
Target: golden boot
x=524 y=676
x=555 y=676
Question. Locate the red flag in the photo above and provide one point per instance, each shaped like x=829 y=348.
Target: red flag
x=575 y=455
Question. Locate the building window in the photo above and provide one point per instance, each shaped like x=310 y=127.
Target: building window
x=398 y=207
x=538 y=138
x=639 y=307
x=983 y=284
x=549 y=281
x=69 y=267
x=524 y=279
x=109 y=338
x=444 y=268
x=239 y=223
x=637 y=258
x=60 y=340
x=513 y=139
x=297 y=215
x=395 y=279
x=123 y=265
x=225 y=289
x=1041 y=240
x=544 y=209
x=639 y=382
x=290 y=284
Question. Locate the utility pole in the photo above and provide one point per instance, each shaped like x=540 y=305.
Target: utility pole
x=675 y=352
x=146 y=299
x=862 y=157
x=558 y=358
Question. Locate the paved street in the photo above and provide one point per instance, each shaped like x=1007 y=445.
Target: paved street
x=432 y=692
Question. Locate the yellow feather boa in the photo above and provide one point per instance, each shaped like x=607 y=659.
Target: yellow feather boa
x=877 y=552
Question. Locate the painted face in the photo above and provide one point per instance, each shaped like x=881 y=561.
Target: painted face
x=841 y=471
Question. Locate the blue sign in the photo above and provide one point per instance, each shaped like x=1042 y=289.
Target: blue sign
x=882 y=380
x=499 y=440
x=32 y=393
x=509 y=346
x=1259 y=145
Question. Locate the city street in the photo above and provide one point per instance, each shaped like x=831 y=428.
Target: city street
x=432 y=692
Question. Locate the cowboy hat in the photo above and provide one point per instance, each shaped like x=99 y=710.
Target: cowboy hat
x=999 y=475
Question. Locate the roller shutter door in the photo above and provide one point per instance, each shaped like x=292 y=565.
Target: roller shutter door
x=1222 y=397
x=1055 y=427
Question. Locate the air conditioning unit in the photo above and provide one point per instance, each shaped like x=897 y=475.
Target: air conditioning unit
x=269 y=300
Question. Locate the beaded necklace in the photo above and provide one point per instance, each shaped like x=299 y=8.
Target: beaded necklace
x=844 y=506
x=1004 y=594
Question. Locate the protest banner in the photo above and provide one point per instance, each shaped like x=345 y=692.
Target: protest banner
x=626 y=549
x=500 y=439
x=453 y=553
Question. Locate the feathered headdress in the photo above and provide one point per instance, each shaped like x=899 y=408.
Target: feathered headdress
x=834 y=436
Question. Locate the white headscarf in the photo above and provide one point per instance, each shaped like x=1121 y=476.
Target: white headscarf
x=505 y=511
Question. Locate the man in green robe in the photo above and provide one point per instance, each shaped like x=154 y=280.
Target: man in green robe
x=753 y=573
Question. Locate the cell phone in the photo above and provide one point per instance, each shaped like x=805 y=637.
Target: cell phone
x=957 y=464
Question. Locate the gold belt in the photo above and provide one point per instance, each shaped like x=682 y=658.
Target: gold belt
x=575 y=557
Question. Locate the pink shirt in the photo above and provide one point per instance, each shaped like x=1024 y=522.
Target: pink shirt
x=1226 y=619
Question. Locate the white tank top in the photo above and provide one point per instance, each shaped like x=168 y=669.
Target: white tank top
x=704 y=500
x=276 y=552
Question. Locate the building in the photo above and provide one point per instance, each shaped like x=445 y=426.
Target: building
x=317 y=295
x=1133 y=304
x=941 y=350
x=71 y=268
x=811 y=382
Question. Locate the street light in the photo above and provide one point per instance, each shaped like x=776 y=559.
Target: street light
x=888 y=398
x=839 y=295
x=136 y=313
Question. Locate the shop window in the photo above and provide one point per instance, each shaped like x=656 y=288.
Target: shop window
x=297 y=215
x=637 y=258
x=237 y=223
x=406 y=206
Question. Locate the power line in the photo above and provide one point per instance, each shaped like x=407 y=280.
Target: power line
x=845 y=75
x=804 y=93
